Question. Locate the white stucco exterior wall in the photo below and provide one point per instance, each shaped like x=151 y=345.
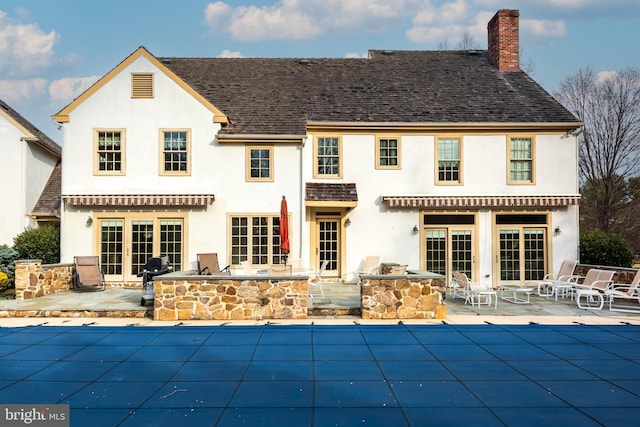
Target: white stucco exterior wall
x=26 y=170
x=219 y=169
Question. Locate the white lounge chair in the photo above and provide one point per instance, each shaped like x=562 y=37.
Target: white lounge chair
x=246 y=267
x=370 y=265
x=474 y=293
x=626 y=292
x=315 y=282
x=546 y=287
x=593 y=288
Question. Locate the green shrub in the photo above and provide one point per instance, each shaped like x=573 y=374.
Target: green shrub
x=41 y=243
x=606 y=249
x=7 y=256
x=4 y=281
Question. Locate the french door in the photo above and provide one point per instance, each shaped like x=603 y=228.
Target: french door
x=127 y=243
x=521 y=254
x=448 y=249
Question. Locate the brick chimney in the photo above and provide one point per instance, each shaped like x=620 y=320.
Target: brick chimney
x=504 y=45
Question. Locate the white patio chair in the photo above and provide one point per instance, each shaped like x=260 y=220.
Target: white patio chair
x=564 y=275
x=626 y=292
x=370 y=265
x=475 y=293
x=593 y=288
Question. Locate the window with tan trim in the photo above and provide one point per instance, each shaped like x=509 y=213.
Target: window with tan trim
x=175 y=152
x=259 y=163
x=521 y=159
x=141 y=85
x=109 y=149
x=255 y=238
x=388 y=153
x=327 y=159
x=449 y=160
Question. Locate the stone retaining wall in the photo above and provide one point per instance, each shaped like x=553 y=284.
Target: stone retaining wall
x=230 y=298
x=34 y=280
x=402 y=298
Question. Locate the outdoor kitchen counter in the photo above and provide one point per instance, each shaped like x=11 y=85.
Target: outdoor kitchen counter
x=188 y=296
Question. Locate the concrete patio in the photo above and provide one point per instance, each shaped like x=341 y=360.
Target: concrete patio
x=329 y=301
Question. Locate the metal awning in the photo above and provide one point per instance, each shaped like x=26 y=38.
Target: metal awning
x=480 y=201
x=140 y=200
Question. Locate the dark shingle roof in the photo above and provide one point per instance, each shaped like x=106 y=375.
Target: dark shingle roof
x=42 y=139
x=49 y=201
x=279 y=96
x=319 y=191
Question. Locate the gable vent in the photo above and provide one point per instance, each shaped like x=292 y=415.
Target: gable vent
x=142 y=85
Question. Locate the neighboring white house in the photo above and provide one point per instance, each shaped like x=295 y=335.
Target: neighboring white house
x=29 y=160
x=439 y=160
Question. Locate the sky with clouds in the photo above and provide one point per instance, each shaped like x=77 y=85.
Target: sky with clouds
x=51 y=51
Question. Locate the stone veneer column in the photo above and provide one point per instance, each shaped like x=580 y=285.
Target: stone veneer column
x=27 y=273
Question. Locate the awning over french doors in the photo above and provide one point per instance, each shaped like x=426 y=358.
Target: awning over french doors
x=126 y=200
x=480 y=201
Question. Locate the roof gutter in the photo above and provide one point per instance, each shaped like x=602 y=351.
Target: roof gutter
x=260 y=138
x=435 y=126
x=40 y=144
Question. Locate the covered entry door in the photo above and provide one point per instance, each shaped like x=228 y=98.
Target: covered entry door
x=328 y=242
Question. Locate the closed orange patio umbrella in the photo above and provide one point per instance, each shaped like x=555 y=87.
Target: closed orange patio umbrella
x=284 y=228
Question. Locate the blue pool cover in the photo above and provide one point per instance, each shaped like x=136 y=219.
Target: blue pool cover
x=324 y=375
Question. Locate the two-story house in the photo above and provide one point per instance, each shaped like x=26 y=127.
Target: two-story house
x=31 y=161
x=441 y=160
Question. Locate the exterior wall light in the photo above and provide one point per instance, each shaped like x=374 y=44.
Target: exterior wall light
x=415 y=229
x=557 y=231
x=89 y=221
x=347 y=222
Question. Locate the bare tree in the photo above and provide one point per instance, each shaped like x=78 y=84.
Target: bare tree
x=609 y=142
x=467 y=42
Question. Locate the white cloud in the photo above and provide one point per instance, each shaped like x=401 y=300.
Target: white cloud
x=603 y=76
x=69 y=88
x=24 y=48
x=454 y=12
x=541 y=28
x=298 y=19
x=215 y=15
x=271 y=22
x=447 y=23
x=19 y=90
x=230 y=54
x=354 y=55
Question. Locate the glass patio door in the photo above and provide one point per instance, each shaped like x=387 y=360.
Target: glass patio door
x=448 y=249
x=521 y=254
x=126 y=244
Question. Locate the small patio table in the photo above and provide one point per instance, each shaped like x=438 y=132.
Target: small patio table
x=515 y=294
x=564 y=288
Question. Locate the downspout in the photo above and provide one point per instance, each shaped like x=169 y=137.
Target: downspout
x=303 y=214
x=23 y=183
